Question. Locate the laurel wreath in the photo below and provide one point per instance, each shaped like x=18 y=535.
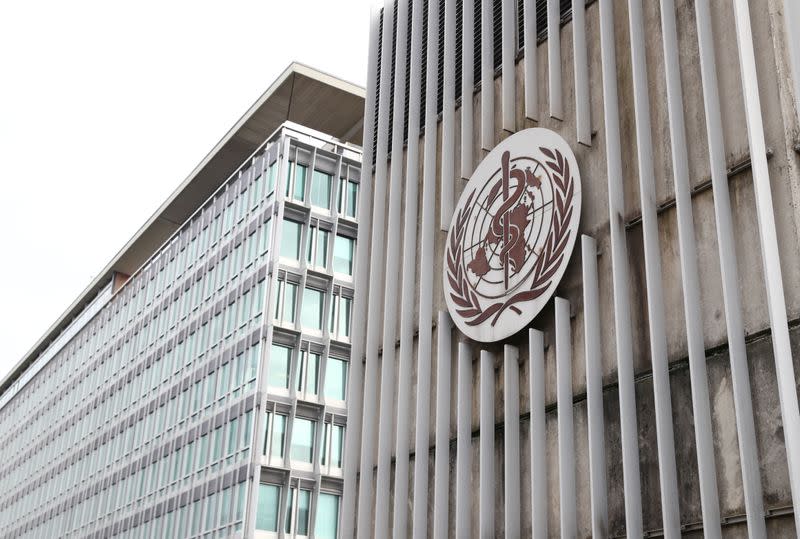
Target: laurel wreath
x=467 y=302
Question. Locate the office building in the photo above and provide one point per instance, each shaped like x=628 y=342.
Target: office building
x=197 y=388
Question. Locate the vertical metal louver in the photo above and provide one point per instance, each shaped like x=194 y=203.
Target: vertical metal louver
x=497 y=33
x=459 y=46
x=377 y=90
x=408 y=68
x=476 y=54
x=393 y=78
x=541 y=33
x=440 y=79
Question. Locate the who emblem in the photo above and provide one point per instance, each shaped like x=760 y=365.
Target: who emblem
x=512 y=235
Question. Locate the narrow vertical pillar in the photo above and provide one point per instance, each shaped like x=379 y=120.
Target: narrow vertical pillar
x=770 y=254
x=554 y=58
x=424 y=344
x=511 y=443
x=486 y=487
x=530 y=61
x=487 y=75
x=386 y=424
x=701 y=408
x=447 y=202
x=581 y=68
x=667 y=474
x=355 y=387
x=566 y=434
x=538 y=432
x=464 y=442
x=442 y=455
x=467 y=85
x=509 y=51
x=376 y=278
x=409 y=300
x=619 y=272
x=594 y=389
x=740 y=377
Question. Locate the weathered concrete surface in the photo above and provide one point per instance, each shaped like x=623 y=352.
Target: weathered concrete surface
x=782 y=131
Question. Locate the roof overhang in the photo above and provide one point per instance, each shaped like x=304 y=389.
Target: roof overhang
x=300 y=94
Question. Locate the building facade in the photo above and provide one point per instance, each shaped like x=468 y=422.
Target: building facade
x=204 y=393
x=657 y=392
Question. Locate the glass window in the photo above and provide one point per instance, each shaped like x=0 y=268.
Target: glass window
x=307 y=372
x=345 y=305
x=336 y=378
x=334 y=438
x=352 y=199
x=290 y=239
x=300 y=172
x=343 y=249
x=272 y=174
x=278 y=435
x=303 y=511
x=303 y=440
x=321 y=248
x=267 y=512
x=326 y=525
x=279 y=361
x=311 y=317
x=320 y=190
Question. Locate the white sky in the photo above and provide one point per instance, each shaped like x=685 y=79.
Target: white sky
x=105 y=107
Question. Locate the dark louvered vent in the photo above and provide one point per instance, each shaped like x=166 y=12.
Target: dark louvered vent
x=476 y=73
x=497 y=26
x=424 y=71
x=459 y=45
x=393 y=79
x=408 y=70
x=379 y=52
x=440 y=80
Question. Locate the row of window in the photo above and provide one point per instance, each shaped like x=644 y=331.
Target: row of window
x=312 y=307
x=317 y=244
x=295 y=519
x=234 y=376
x=307 y=372
x=220 y=216
x=302 y=444
x=319 y=190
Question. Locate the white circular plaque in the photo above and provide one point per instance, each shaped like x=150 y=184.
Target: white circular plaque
x=512 y=235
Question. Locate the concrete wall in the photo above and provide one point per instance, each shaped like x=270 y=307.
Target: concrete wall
x=782 y=132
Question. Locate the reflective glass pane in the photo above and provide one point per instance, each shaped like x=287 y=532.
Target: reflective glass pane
x=352 y=199
x=322 y=248
x=279 y=360
x=289 y=504
x=302 y=440
x=311 y=317
x=337 y=443
x=289 y=302
x=290 y=239
x=335 y=378
x=300 y=181
x=278 y=435
x=267 y=512
x=343 y=249
x=344 y=316
x=320 y=190
x=327 y=520
x=303 y=510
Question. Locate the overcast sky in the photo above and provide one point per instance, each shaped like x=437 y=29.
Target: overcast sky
x=105 y=107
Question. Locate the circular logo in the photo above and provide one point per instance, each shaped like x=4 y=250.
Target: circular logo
x=512 y=234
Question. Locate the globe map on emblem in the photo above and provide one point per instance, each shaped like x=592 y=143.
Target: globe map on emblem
x=512 y=234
